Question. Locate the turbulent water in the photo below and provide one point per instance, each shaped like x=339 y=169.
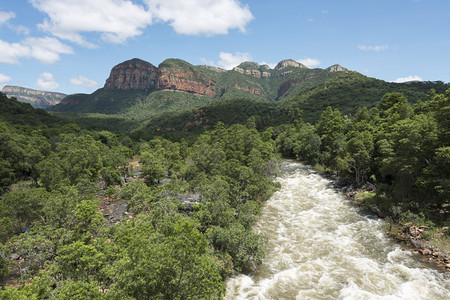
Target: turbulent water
x=320 y=247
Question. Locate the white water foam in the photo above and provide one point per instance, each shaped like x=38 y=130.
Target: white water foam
x=320 y=247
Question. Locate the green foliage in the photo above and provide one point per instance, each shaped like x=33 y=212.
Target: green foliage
x=244 y=246
x=3 y=271
x=350 y=90
x=404 y=151
x=78 y=290
x=101 y=101
x=167 y=247
x=174 y=265
x=18 y=113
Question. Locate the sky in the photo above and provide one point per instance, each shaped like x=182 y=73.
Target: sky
x=71 y=46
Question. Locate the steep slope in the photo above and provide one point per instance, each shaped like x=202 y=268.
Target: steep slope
x=19 y=113
x=176 y=84
x=133 y=74
x=351 y=90
x=189 y=122
x=37 y=99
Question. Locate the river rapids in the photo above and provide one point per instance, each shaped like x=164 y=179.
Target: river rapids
x=321 y=247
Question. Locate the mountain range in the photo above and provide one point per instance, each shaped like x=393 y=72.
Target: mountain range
x=177 y=95
x=38 y=99
x=177 y=84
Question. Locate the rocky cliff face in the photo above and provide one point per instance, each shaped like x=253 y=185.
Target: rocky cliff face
x=171 y=77
x=178 y=75
x=140 y=75
x=38 y=99
x=134 y=74
x=135 y=81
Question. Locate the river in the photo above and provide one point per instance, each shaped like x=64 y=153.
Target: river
x=321 y=247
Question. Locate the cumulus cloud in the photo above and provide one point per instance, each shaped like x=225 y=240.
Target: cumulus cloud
x=11 y=52
x=309 y=62
x=6 y=16
x=83 y=81
x=46 y=50
x=118 y=20
x=4 y=79
x=47 y=81
x=115 y=20
x=408 y=78
x=376 y=48
x=229 y=60
x=208 y=17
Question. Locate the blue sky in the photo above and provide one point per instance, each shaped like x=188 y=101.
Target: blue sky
x=70 y=46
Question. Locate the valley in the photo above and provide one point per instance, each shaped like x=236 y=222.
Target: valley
x=204 y=148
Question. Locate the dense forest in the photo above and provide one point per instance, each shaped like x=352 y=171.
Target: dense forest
x=57 y=179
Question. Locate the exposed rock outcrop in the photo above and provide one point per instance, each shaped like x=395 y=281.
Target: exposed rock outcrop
x=134 y=74
x=248 y=89
x=36 y=98
x=184 y=80
x=253 y=69
x=134 y=82
x=215 y=69
x=336 y=68
x=289 y=63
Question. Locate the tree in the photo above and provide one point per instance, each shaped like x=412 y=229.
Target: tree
x=360 y=149
x=330 y=128
x=75 y=158
x=173 y=265
x=153 y=169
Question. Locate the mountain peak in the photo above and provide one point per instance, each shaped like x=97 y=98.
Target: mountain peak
x=249 y=65
x=336 y=68
x=133 y=74
x=289 y=63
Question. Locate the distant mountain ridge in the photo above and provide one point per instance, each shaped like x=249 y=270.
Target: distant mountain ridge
x=149 y=86
x=38 y=99
x=138 y=91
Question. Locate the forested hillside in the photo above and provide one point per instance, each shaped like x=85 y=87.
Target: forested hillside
x=95 y=214
x=401 y=152
x=350 y=90
x=57 y=243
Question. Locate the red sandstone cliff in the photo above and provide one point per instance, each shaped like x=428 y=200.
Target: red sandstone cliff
x=132 y=74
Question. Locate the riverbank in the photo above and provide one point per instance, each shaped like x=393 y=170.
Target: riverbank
x=410 y=235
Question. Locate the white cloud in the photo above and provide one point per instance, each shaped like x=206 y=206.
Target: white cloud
x=11 y=52
x=46 y=50
x=5 y=16
x=47 y=81
x=229 y=60
x=271 y=65
x=208 y=17
x=4 y=79
x=408 y=78
x=324 y=11
x=376 y=48
x=118 y=20
x=115 y=20
x=83 y=81
x=310 y=62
